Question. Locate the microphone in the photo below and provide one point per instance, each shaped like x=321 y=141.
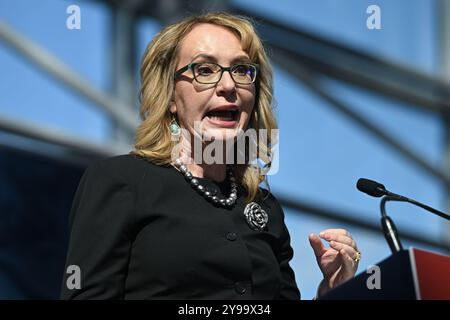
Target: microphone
x=376 y=189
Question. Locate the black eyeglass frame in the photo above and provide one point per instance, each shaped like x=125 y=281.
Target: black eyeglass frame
x=192 y=65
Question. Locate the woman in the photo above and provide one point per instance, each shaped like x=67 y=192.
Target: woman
x=160 y=224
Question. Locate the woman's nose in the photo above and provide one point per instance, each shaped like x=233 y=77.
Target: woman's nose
x=226 y=84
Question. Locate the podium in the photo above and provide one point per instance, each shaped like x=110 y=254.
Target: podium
x=407 y=275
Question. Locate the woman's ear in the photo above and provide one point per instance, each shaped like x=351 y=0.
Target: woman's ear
x=173 y=106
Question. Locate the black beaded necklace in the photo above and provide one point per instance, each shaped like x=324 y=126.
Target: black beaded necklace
x=195 y=183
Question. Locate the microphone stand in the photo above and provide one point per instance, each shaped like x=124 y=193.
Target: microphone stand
x=388 y=225
x=389 y=228
x=375 y=189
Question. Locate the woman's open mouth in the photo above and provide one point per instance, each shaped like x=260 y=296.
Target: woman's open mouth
x=223 y=118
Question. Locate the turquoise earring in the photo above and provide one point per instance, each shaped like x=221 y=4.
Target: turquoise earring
x=174 y=128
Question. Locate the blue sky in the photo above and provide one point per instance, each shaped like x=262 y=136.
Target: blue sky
x=322 y=153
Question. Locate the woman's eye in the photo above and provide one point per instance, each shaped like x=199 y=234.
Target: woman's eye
x=242 y=70
x=204 y=71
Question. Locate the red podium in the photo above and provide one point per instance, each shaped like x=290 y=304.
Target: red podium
x=409 y=274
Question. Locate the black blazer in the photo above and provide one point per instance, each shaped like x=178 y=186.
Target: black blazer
x=140 y=231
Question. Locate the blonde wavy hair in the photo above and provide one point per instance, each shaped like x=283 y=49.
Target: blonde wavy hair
x=153 y=138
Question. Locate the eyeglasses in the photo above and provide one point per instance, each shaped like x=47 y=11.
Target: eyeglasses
x=211 y=73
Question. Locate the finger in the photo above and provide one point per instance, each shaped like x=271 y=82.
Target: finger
x=348 y=263
x=340 y=238
x=348 y=249
x=317 y=245
x=343 y=232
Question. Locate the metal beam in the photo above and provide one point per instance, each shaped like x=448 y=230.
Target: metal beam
x=63 y=73
x=306 y=76
x=420 y=90
x=444 y=40
x=315 y=211
x=124 y=45
x=73 y=144
x=124 y=48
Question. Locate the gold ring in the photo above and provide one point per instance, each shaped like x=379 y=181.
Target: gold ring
x=358 y=256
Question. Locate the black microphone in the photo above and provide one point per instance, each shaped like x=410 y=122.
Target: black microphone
x=376 y=189
x=372 y=188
